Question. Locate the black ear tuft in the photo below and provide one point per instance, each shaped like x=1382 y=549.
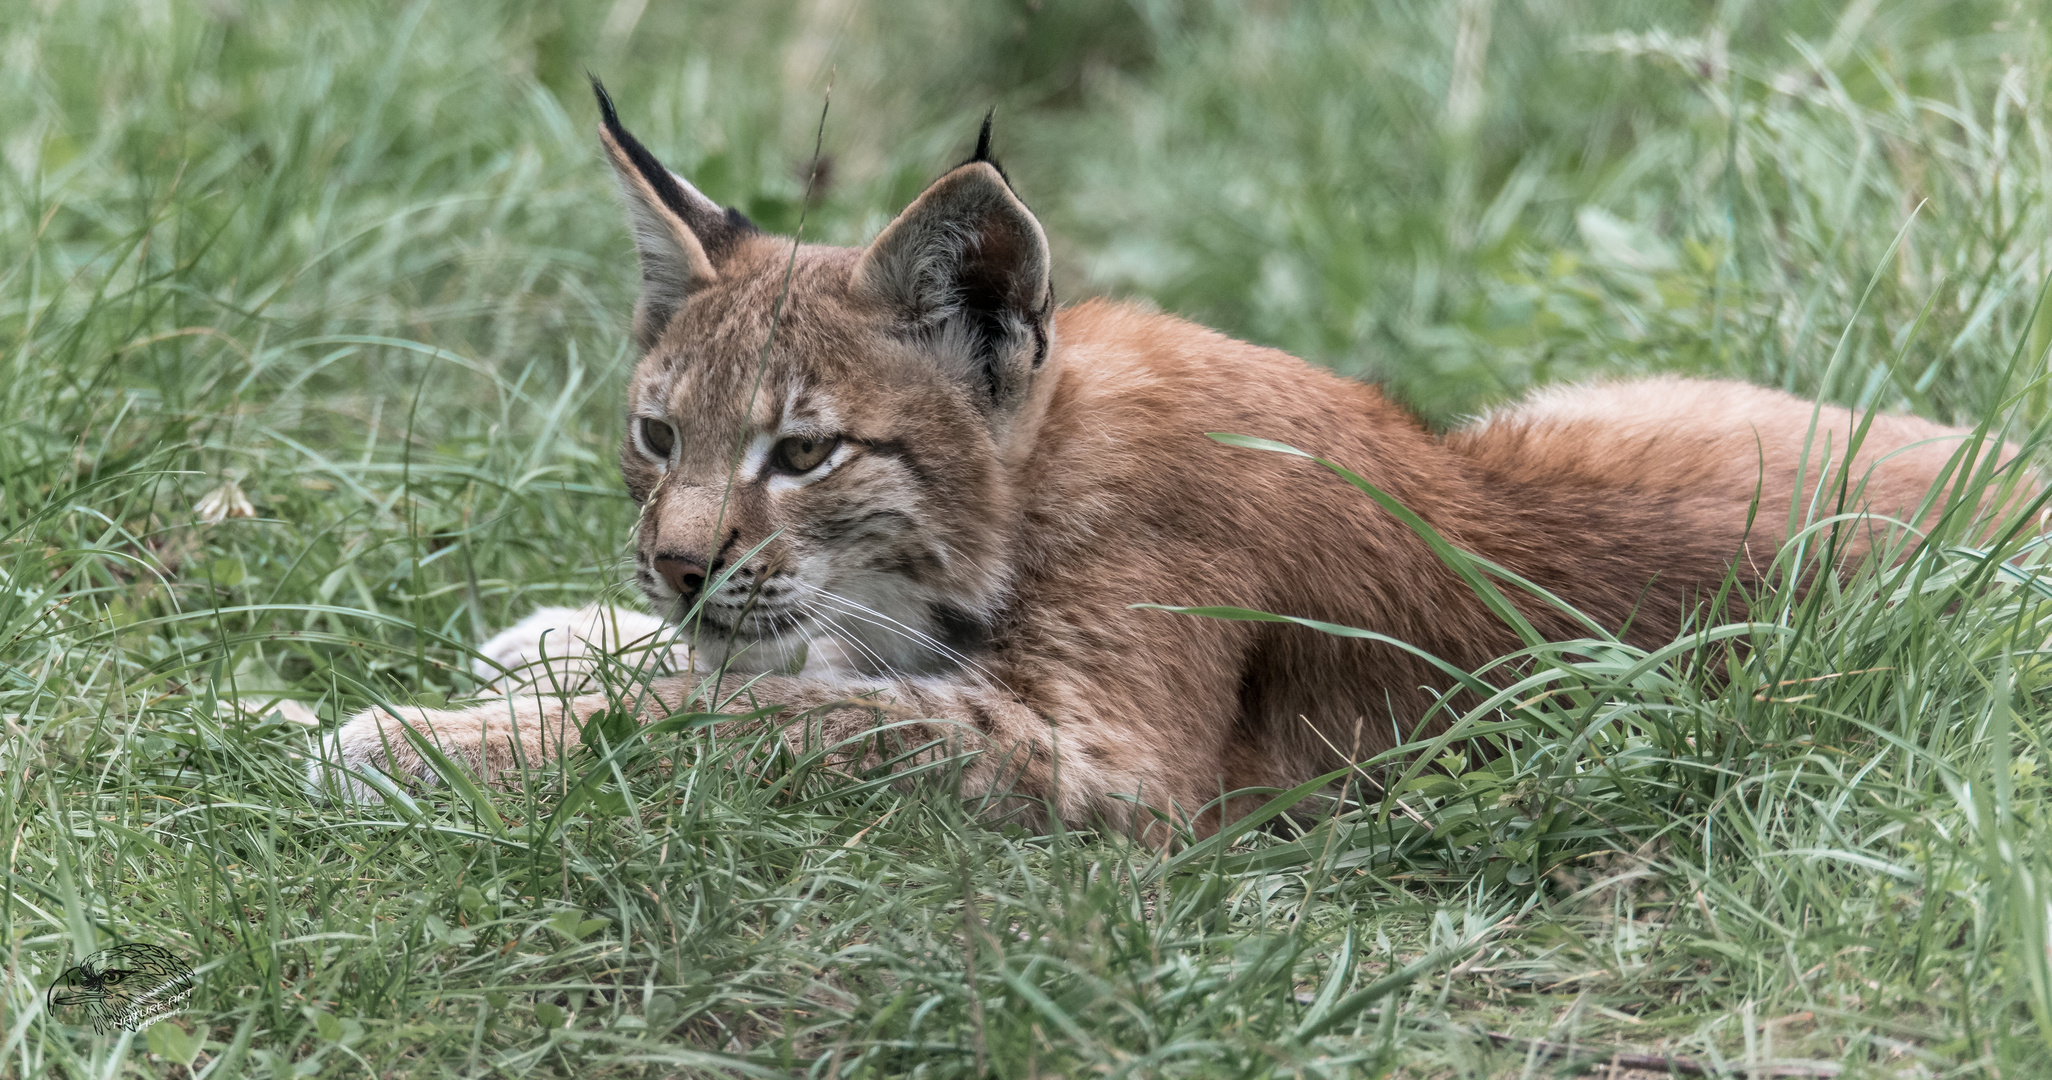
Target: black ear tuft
x=982 y=153
x=610 y=115
x=983 y=137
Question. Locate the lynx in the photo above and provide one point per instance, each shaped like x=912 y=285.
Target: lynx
x=899 y=488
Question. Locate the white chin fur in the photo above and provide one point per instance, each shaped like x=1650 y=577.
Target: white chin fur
x=748 y=656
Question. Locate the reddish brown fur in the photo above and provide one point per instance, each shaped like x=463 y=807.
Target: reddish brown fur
x=1094 y=488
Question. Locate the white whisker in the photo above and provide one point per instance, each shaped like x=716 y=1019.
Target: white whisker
x=883 y=666
x=872 y=616
x=860 y=612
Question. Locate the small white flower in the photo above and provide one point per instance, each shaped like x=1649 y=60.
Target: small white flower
x=224 y=502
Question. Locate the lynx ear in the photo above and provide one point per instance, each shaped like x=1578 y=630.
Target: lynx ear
x=679 y=233
x=966 y=266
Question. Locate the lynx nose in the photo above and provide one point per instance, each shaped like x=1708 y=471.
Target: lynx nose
x=684 y=575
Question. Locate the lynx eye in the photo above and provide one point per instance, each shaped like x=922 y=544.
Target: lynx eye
x=802 y=453
x=658 y=438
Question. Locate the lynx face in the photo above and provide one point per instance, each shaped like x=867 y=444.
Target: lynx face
x=818 y=438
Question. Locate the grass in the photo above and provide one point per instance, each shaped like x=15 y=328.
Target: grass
x=363 y=263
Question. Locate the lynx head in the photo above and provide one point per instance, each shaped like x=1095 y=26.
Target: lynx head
x=822 y=439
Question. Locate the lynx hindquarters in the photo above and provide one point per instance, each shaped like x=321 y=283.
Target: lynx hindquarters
x=950 y=496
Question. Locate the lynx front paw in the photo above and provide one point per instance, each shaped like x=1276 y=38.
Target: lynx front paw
x=489 y=741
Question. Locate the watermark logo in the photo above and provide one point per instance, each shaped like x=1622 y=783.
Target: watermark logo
x=128 y=986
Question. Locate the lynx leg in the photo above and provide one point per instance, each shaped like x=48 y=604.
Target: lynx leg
x=1009 y=759
x=494 y=741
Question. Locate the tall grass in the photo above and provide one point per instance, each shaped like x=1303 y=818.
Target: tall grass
x=362 y=265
